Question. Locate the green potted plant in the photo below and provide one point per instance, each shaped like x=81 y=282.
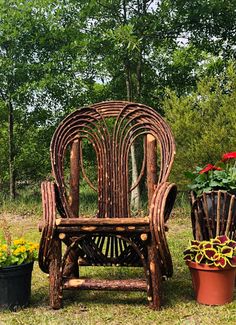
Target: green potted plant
x=212 y=198
x=212 y=265
x=16 y=265
x=221 y=176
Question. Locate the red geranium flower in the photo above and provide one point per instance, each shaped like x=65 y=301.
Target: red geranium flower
x=209 y=167
x=228 y=155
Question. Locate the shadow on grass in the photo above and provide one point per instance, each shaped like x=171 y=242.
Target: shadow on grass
x=104 y=298
x=40 y=297
x=175 y=291
x=178 y=290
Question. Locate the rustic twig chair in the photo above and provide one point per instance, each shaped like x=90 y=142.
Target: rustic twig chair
x=213 y=214
x=113 y=236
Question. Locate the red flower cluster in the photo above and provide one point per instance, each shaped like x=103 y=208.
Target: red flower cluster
x=228 y=155
x=208 y=168
x=220 y=176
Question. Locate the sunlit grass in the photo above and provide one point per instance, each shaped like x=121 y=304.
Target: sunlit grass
x=102 y=307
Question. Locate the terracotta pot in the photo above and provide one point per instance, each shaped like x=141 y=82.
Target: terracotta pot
x=212 y=285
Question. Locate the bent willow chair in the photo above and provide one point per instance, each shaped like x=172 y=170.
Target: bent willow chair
x=114 y=236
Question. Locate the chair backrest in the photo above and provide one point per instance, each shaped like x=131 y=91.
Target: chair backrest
x=213 y=214
x=111 y=128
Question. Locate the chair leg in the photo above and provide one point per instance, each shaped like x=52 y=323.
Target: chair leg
x=155 y=277
x=55 y=280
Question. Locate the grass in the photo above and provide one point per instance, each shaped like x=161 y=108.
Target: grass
x=100 y=307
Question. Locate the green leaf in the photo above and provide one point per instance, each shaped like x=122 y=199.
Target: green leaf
x=214 y=183
x=189 y=175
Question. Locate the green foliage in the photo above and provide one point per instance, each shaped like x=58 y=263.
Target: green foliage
x=40 y=55
x=27 y=202
x=58 y=55
x=209 y=24
x=18 y=252
x=218 y=251
x=203 y=122
x=212 y=177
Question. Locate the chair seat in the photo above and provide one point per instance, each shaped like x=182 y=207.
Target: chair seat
x=113 y=225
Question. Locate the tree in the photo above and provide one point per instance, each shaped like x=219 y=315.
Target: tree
x=58 y=55
x=200 y=39
x=203 y=122
x=39 y=64
x=13 y=72
x=124 y=33
x=209 y=25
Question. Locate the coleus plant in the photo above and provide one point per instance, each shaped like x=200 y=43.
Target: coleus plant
x=219 y=251
x=221 y=176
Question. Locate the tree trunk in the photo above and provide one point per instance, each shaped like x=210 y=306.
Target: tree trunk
x=128 y=79
x=152 y=178
x=139 y=76
x=135 y=194
x=74 y=178
x=11 y=151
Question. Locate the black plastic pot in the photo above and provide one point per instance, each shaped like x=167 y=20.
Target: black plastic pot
x=15 y=286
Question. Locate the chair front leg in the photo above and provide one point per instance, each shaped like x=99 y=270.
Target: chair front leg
x=55 y=278
x=155 y=300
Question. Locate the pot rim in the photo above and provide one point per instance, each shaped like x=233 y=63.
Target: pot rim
x=206 y=267
x=10 y=267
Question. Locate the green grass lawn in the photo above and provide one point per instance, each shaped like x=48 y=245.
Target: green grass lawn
x=101 y=307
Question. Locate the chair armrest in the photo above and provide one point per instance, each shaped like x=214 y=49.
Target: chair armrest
x=47 y=225
x=161 y=207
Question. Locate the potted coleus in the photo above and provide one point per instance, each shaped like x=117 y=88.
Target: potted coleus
x=212 y=265
x=16 y=265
